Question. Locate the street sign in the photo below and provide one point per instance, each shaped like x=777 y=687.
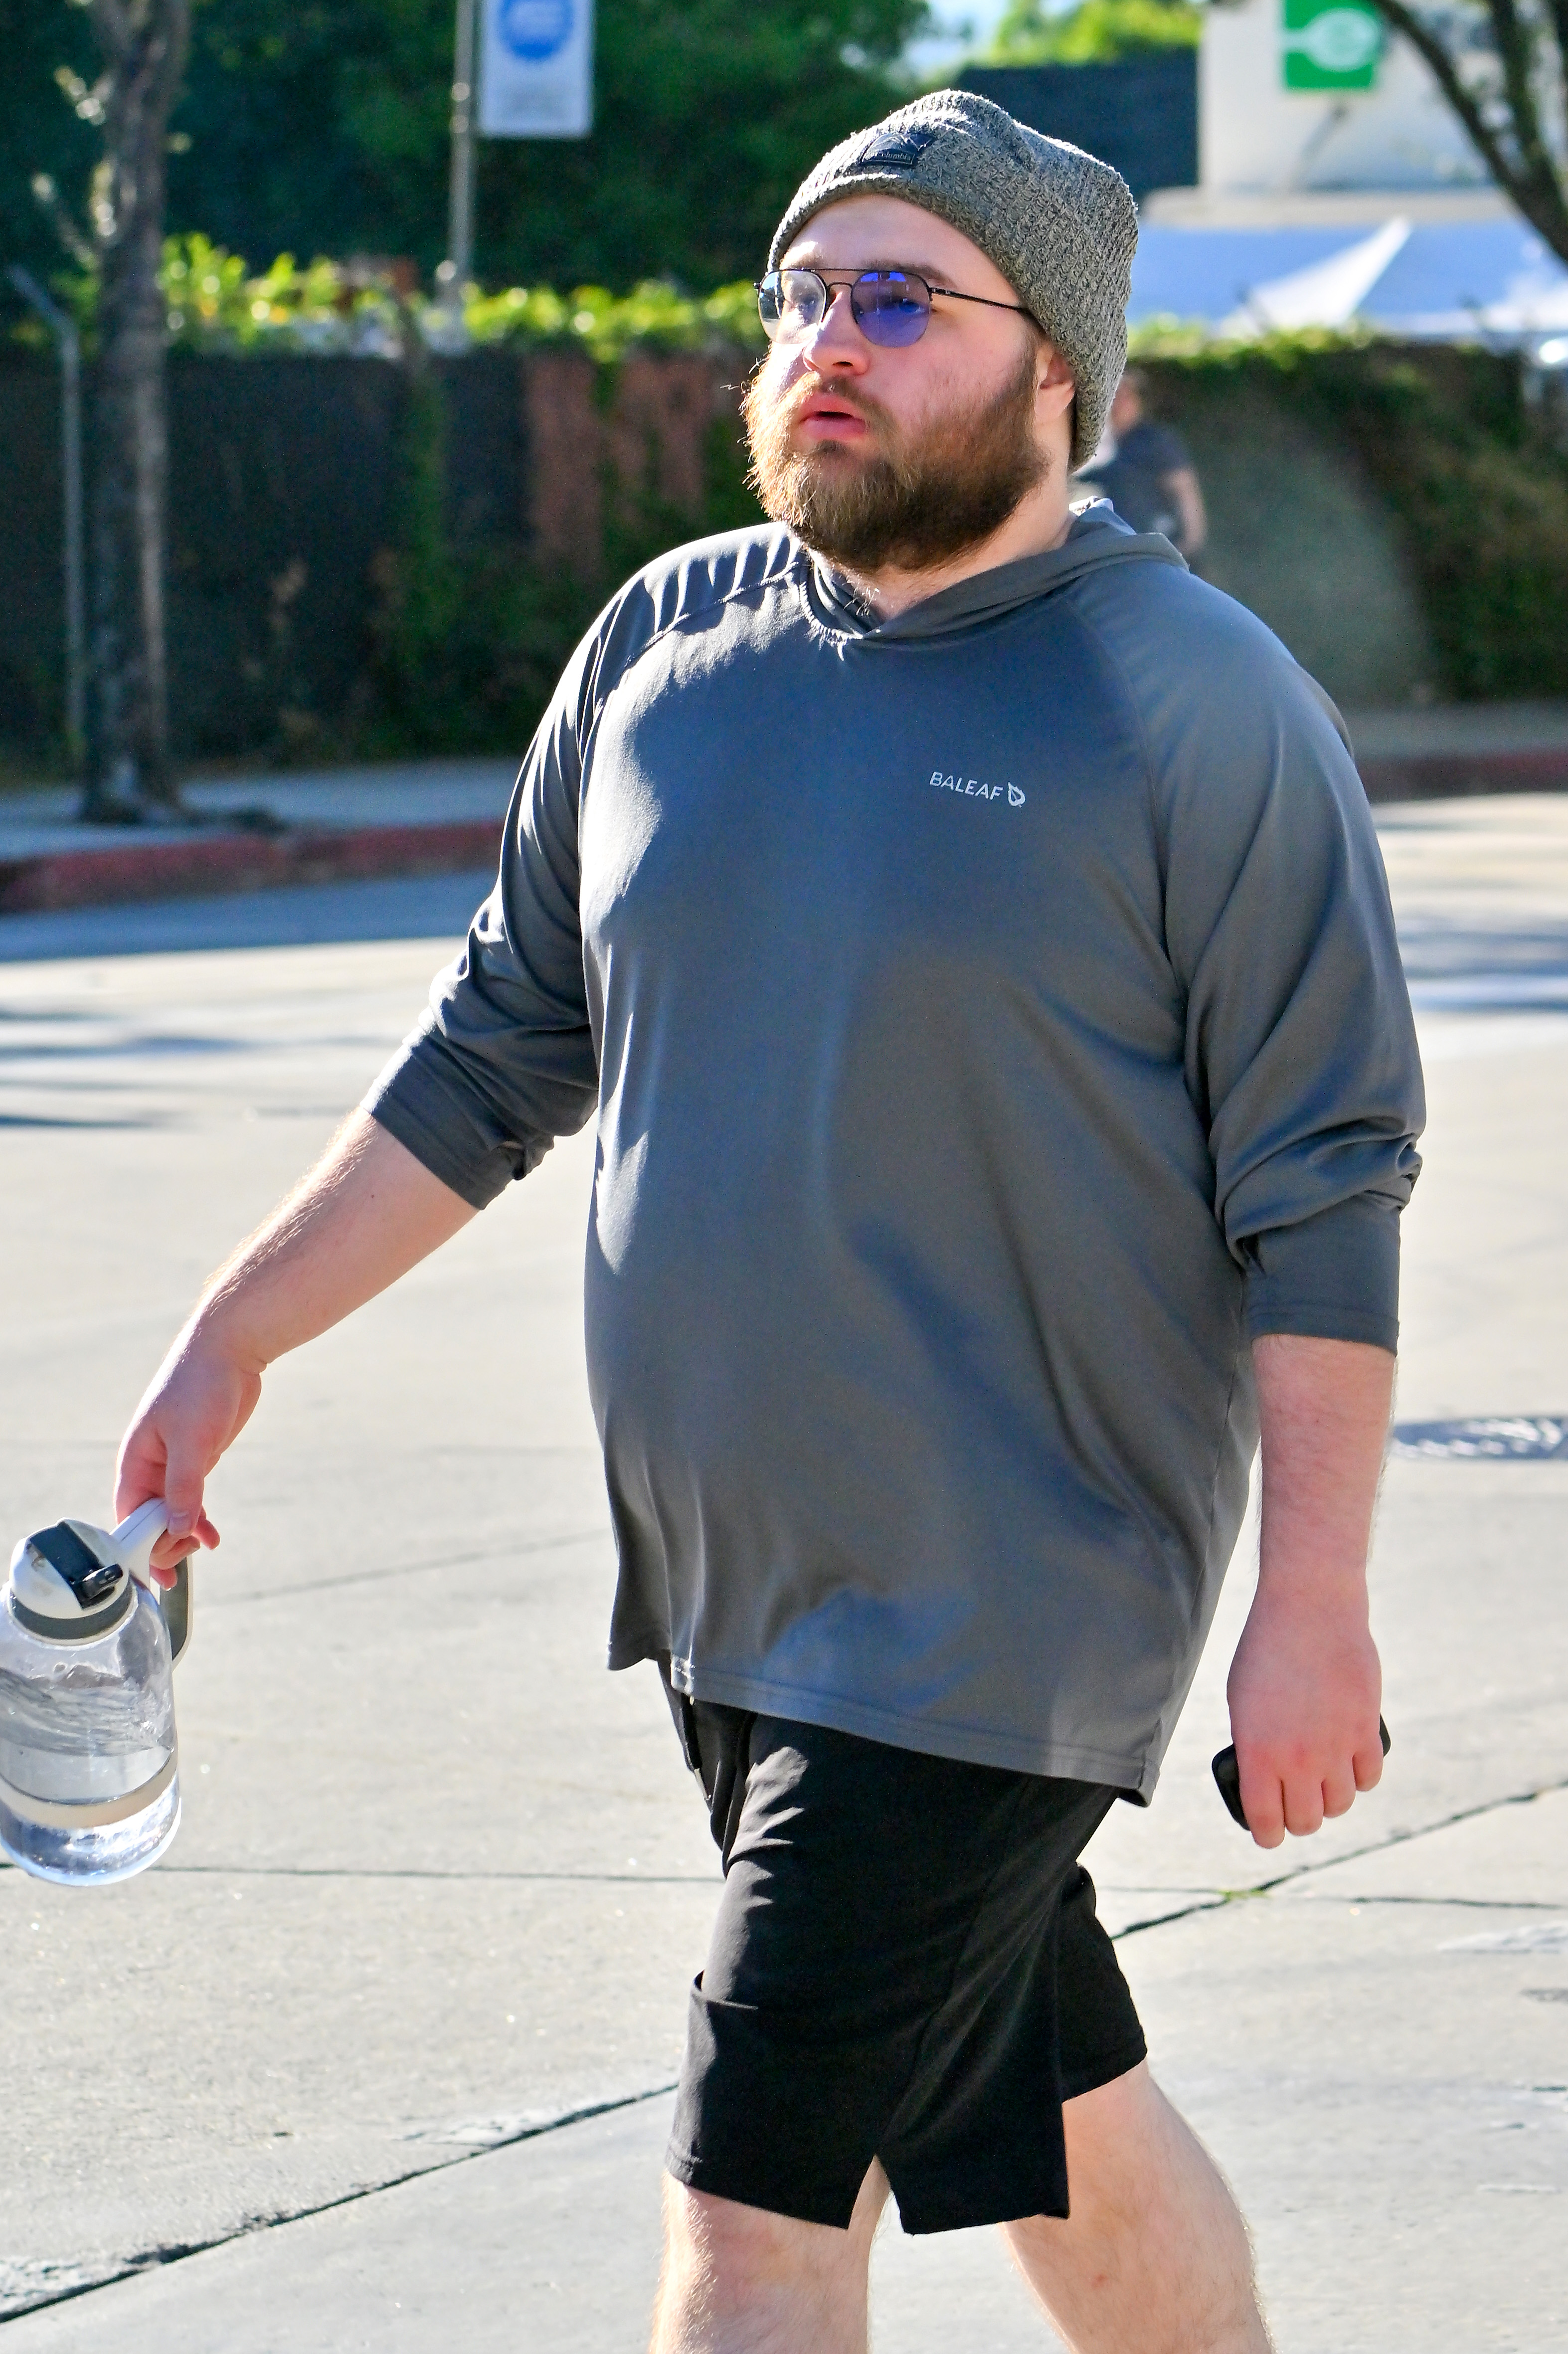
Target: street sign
x=1330 y=45
x=535 y=75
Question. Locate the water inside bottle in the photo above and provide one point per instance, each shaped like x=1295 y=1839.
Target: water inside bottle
x=113 y=1851
x=82 y=1726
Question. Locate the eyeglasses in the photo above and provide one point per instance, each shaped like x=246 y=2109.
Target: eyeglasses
x=888 y=306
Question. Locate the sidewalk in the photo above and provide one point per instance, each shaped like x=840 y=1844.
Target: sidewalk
x=443 y=1883
x=418 y=818
x=401 y=819
x=1461 y=748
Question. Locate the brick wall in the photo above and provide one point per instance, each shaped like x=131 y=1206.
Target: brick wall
x=282 y=507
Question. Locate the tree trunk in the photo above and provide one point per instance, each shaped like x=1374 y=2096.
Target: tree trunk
x=129 y=778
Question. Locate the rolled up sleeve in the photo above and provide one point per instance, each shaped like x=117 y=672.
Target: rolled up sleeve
x=504 y=1060
x=1300 y=1046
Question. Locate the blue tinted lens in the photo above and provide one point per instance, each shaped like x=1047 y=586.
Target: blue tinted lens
x=890 y=308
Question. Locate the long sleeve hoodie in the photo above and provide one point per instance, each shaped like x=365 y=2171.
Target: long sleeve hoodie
x=993 y=1022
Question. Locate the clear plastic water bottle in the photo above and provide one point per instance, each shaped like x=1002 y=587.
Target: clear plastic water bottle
x=89 y=1786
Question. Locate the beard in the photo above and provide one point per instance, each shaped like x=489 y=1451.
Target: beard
x=914 y=503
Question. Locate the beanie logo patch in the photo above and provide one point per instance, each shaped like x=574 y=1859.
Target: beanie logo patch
x=899 y=151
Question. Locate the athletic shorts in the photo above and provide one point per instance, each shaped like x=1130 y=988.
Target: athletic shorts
x=906 y=1965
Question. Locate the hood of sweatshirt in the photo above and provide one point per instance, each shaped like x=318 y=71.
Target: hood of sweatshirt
x=1096 y=538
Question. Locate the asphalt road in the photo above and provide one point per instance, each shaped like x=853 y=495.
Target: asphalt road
x=441 y=1881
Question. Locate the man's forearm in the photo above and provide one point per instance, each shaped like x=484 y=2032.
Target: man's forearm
x=366 y=1213
x=1323 y=1413
x=1305 y=1685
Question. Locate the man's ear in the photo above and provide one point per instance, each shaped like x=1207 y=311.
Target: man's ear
x=1055 y=387
x=1054 y=368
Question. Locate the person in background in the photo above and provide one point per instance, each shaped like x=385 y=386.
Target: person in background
x=1147 y=473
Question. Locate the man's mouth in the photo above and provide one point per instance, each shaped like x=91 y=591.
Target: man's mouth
x=826 y=416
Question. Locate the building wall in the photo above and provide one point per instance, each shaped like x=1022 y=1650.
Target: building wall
x=284 y=507
x=1255 y=134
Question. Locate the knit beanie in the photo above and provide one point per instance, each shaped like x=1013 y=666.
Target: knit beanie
x=1059 y=224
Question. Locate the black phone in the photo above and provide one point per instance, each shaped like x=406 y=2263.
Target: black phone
x=1227 y=1775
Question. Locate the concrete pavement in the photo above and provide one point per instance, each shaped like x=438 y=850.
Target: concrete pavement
x=440 y=1880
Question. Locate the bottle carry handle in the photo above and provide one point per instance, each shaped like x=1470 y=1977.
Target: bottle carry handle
x=132 y=1542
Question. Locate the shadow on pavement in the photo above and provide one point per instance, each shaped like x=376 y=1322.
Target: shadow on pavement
x=420 y=907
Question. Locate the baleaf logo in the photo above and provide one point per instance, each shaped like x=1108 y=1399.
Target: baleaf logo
x=974 y=789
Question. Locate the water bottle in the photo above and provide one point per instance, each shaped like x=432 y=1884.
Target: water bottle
x=90 y=1784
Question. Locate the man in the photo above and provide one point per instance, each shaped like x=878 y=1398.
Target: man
x=969 y=934
x=1145 y=471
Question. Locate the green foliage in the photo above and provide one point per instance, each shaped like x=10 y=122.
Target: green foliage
x=215 y=306
x=39 y=131
x=324 y=124
x=607 y=325
x=1476 y=483
x=470 y=643
x=1092 y=33
x=1477 y=479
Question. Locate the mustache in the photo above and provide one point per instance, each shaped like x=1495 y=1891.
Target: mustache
x=789 y=409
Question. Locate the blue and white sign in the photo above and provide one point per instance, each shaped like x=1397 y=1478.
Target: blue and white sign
x=536 y=71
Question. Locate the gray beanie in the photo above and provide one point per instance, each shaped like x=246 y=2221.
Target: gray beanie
x=1058 y=224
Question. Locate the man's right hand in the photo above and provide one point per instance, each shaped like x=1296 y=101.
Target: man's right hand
x=366 y=1213
x=199 y=1402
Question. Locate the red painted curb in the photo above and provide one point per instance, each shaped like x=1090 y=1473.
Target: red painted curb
x=210 y=864
x=213 y=865
x=1446 y=776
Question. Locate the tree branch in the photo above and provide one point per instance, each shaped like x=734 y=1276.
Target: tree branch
x=112 y=30
x=1560 y=26
x=1516 y=46
x=49 y=197
x=1531 y=182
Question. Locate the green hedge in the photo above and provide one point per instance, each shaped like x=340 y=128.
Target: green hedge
x=1476 y=479
x=467 y=643
x=219 y=307
x=1474 y=472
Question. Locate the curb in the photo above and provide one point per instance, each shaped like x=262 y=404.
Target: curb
x=213 y=865
x=1451 y=776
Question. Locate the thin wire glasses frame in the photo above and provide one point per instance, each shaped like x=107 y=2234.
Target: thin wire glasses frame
x=889 y=306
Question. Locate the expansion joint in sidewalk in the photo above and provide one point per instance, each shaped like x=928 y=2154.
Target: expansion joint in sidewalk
x=157 y=2259
x=1218 y=1899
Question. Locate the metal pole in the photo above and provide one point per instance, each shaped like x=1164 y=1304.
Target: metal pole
x=456 y=269
x=69 y=344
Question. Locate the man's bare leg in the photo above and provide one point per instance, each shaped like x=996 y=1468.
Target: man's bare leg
x=1155 y=2258
x=740 y=2281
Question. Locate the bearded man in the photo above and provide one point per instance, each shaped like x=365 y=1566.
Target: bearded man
x=968 y=933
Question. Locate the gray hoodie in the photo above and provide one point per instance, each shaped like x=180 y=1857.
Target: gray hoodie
x=993 y=1021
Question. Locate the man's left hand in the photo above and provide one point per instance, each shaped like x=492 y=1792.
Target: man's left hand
x=1304 y=1691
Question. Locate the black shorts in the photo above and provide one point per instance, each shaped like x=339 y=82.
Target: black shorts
x=906 y=1965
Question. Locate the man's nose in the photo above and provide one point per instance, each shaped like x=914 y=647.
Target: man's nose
x=835 y=343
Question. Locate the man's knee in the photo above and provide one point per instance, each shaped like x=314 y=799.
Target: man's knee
x=723 y=2238
x=744 y=2277
x=1129 y=2156
x=725 y=2234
